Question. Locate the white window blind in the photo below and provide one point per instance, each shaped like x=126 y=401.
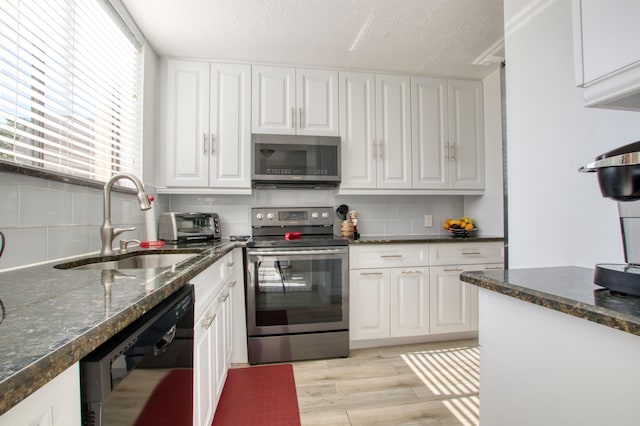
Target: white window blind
x=69 y=84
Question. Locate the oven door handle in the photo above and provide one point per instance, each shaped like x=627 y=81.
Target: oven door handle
x=266 y=253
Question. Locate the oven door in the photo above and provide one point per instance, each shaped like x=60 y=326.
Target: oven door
x=297 y=290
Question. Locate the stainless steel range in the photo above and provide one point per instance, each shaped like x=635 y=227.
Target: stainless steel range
x=297 y=286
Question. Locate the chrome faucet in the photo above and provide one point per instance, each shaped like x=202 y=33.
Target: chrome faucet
x=107 y=231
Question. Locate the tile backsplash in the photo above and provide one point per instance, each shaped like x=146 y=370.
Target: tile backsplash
x=46 y=220
x=377 y=214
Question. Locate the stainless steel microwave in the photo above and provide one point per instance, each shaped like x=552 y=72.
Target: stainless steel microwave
x=285 y=161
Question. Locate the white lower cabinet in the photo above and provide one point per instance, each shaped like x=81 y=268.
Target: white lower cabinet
x=212 y=336
x=388 y=303
x=55 y=404
x=450 y=301
x=409 y=302
x=369 y=304
x=419 y=292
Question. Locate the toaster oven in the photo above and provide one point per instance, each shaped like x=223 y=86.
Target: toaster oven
x=188 y=227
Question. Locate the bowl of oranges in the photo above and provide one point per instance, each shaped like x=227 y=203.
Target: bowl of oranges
x=462 y=227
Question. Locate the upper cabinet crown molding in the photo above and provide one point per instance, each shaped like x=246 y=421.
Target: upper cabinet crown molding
x=606 y=53
x=294 y=101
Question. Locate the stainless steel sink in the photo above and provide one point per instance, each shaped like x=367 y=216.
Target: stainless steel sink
x=136 y=260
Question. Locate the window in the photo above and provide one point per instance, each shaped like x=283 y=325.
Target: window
x=69 y=84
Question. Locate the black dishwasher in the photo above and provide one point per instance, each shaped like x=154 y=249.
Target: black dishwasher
x=130 y=378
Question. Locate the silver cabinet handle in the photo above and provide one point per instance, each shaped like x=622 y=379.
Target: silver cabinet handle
x=371 y=273
x=453 y=151
x=301 y=119
x=391 y=256
x=493 y=267
x=224 y=298
x=411 y=272
x=470 y=253
x=374 y=152
x=204 y=144
x=293 y=117
x=381 y=150
x=453 y=270
x=232 y=284
x=213 y=146
x=206 y=323
x=446 y=151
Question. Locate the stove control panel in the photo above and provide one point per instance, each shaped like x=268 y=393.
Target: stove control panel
x=288 y=216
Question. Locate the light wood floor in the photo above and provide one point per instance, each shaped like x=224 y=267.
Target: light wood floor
x=426 y=384
x=433 y=384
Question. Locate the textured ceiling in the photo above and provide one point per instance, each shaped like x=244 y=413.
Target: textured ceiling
x=458 y=38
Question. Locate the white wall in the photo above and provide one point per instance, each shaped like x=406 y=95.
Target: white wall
x=556 y=215
x=487 y=210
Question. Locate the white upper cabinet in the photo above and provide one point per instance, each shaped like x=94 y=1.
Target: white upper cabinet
x=206 y=139
x=607 y=53
x=430 y=133
x=447 y=134
x=466 y=134
x=393 y=130
x=291 y=101
x=375 y=128
x=357 y=130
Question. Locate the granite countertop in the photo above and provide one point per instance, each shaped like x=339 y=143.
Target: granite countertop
x=51 y=318
x=566 y=289
x=426 y=238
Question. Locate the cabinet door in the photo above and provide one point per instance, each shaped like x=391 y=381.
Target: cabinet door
x=187 y=124
x=466 y=134
x=450 y=310
x=393 y=131
x=218 y=348
x=357 y=130
x=409 y=302
x=273 y=100
x=317 y=102
x=609 y=36
x=429 y=133
x=57 y=403
x=369 y=304
x=203 y=373
x=230 y=137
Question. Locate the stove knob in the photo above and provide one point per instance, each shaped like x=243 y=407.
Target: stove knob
x=260 y=216
x=314 y=215
x=325 y=215
x=271 y=216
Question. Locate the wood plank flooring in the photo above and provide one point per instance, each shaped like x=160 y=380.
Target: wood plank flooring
x=435 y=384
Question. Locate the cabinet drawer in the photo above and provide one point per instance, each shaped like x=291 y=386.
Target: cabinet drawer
x=466 y=253
x=207 y=284
x=388 y=256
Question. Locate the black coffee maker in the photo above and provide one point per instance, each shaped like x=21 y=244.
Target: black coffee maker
x=619 y=178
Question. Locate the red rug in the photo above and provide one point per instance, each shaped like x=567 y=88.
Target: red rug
x=171 y=402
x=255 y=396
x=264 y=395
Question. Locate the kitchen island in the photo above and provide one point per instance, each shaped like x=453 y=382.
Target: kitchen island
x=556 y=349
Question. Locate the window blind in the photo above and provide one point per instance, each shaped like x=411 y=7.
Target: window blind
x=69 y=84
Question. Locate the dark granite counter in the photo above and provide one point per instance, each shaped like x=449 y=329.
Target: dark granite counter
x=51 y=318
x=565 y=289
x=426 y=238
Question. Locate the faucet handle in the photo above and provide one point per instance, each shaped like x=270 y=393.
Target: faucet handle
x=118 y=231
x=124 y=244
